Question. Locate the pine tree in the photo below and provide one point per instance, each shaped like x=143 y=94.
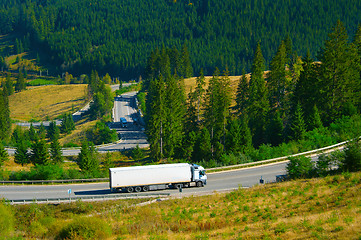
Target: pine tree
x=67 y=124
x=33 y=136
x=9 y=85
x=186 y=69
x=55 y=151
x=258 y=103
x=314 y=120
x=5 y=123
x=175 y=109
x=155 y=117
x=39 y=153
x=20 y=83
x=242 y=94
x=277 y=82
x=218 y=100
x=307 y=91
x=21 y=152
x=87 y=160
x=298 y=126
x=53 y=131
x=42 y=131
x=340 y=72
x=4 y=156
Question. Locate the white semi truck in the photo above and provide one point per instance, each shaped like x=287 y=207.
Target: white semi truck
x=155 y=177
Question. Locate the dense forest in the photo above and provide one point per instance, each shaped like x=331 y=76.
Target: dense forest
x=300 y=101
x=116 y=37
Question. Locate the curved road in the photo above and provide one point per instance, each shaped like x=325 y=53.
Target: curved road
x=222 y=181
x=130 y=137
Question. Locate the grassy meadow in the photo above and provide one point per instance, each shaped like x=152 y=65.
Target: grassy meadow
x=325 y=208
x=47 y=102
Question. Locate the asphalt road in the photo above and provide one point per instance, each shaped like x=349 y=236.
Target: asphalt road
x=133 y=135
x=222 y=181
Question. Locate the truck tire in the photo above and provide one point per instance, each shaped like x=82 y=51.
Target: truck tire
x=137 y=189
x=199 y=184
x=130 y=189
x=145 y=188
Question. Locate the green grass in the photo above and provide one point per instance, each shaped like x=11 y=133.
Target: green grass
x=41 y=81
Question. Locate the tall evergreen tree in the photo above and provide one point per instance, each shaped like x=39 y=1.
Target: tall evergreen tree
x=242 y=94
x=175 y=109
x=4 y=156
x=20 y=83
x=340 y=73
x=5 y=123
x=53 y=131
x=239 y=138
x=314 y=120
x=202 y=147
x=32 y=134
x=21 y=152
x=186 y=69
x=87 y=159
x=258 y=101
x=277 y=82
x=9 y=85
x=218 y=100
x=67 y=124
x=39 y=153
x=155 y=117
x=307 y=91
x=55 y=151
x=298 y=126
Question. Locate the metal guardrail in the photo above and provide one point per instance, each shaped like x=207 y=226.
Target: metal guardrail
x=55 y=181
x=279 y=159
x=87 y=198
x=238 y=166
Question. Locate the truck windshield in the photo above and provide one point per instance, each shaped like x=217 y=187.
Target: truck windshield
x=202 y=173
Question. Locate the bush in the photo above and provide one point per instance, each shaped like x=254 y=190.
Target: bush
x=6 y=221
x=299 y=167
x=86 y=228
x=352 y=161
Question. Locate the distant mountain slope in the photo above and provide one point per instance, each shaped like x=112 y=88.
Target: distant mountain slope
x=117 y=36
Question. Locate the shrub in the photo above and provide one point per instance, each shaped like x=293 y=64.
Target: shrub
x=352 y=160
x=86 y=228
x=299 y=167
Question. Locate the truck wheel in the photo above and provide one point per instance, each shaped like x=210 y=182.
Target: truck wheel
x=138 y=189
x=130 y=189
x=199 y=184
x=145 y=188
x=186 y=185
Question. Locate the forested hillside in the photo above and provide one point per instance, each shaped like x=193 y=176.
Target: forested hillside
x=116 y=37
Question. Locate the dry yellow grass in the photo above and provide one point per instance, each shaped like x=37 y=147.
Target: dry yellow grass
x=79 y=134
x=327 y=208
x=44 y=102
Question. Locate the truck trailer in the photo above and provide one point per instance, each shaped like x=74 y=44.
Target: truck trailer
x=156 y=177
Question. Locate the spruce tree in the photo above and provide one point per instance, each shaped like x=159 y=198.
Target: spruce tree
x=5 y=123
x=4 y=156
x=277 y=82
x=175 y=109
x=21 y=152
x=314 y=120
x=258 y=99
x=202 y=147
x=87 y=160
x=242 y=94
x=55 y=151
x=9 y=85
x=20 y=83
x=42 y=131
x=156 y=117
x=53 y=131
x=340 y=73
x=33 y=135
x=186 y=70
x=298 y=126
x=199 y=93
x=39 y=153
